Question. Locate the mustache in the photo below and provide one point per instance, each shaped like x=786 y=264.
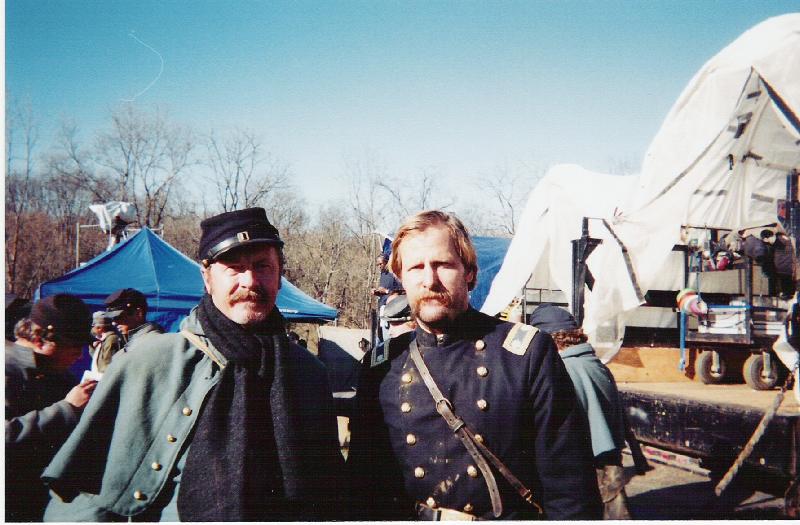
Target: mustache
x=255 y=295
x=442 y=297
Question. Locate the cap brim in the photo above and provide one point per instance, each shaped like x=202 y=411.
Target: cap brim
x=244 y=244
x=111 y=314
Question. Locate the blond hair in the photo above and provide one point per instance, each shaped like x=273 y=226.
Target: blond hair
x=457 y=232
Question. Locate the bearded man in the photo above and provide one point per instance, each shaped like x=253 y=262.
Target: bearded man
x=224 y=421
x=467 y=417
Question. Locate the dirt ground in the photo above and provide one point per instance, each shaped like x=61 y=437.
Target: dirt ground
x=671 y=493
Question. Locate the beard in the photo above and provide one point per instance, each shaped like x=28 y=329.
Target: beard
x=437 y=308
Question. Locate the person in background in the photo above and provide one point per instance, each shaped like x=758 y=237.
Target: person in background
x=127 y=308
x=387 y=282
x=225 y=421
x=43 y=404
x=397 y=314
x=106 y=342
x=387 y=285
x=459 y=392
x=598 y=395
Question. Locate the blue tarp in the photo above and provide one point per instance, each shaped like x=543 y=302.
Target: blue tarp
x=491 y=252
x=170 y=280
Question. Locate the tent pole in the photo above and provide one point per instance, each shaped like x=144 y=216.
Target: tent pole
x=77 y=244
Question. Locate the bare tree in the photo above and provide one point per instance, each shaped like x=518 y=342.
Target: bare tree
x=75 y=166
x=242 y=173
x=21 y=140
x=627 y=165
x=507 y=193
x=405 y=196
x=146 y=156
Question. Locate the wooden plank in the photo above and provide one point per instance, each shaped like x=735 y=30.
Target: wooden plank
x=650 y=364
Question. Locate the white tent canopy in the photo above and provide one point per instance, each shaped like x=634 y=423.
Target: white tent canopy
x=720 y=159
x=541 y=249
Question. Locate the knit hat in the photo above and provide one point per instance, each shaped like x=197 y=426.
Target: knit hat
x=550 y=318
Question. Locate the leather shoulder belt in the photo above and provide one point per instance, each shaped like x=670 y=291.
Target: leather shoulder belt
x=479 y=452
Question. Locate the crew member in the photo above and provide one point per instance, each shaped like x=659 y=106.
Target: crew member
x=599 y=398
x=127 y=308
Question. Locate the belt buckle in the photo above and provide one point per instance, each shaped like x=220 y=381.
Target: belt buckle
x=442 y=514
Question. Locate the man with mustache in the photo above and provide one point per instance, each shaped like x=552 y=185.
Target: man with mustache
x=225 y=421
x=467 y=417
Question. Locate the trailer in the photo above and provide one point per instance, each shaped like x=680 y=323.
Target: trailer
x=713 y=423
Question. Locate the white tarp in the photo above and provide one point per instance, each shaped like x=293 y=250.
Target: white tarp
x=552 y=217
x=720 y=159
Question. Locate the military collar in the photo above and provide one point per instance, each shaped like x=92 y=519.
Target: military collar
x=463 y=327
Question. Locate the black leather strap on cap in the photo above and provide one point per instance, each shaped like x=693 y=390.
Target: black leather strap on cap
x=233 y=242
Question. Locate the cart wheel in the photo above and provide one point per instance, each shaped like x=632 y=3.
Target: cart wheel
x=703 y=368
x=753 y=369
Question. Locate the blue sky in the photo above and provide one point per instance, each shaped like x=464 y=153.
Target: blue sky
x=461 y=87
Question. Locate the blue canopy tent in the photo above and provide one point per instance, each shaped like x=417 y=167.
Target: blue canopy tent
x=170 y=280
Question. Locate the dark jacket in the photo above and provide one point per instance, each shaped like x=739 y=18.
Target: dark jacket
x=124 y=456
x=521 y=402
x=38 y=421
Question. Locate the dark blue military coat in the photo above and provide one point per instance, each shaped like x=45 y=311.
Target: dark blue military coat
x=509 y=385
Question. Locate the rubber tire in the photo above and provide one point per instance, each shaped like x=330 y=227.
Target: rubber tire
x=752 y=373
x=702 y=368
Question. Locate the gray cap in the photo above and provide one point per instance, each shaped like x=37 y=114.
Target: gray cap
x=100 y=319
x=397 y=311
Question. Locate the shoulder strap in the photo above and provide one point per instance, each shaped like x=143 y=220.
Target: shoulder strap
x=479 y=452
x=196 y=341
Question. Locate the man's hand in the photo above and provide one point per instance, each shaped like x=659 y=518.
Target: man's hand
x=80 y=394
x=379 y=291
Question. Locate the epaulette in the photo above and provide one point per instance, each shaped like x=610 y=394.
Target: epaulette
x=389 y=349
x=379 y=354
x=519 y=338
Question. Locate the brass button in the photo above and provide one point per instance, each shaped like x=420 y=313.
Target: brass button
x=479 y=345
x=406 y=378
x=431 y=502
x=405 y=408
x=138 y=495
x=478 y=438
x=171 y=438
x=483 y=371
x=49 y=327
x=155 y=465
x=472 y=471
x=419 y=472
x=411 y=439
x=468 y=507
x=187 y=411
x=482 y=404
